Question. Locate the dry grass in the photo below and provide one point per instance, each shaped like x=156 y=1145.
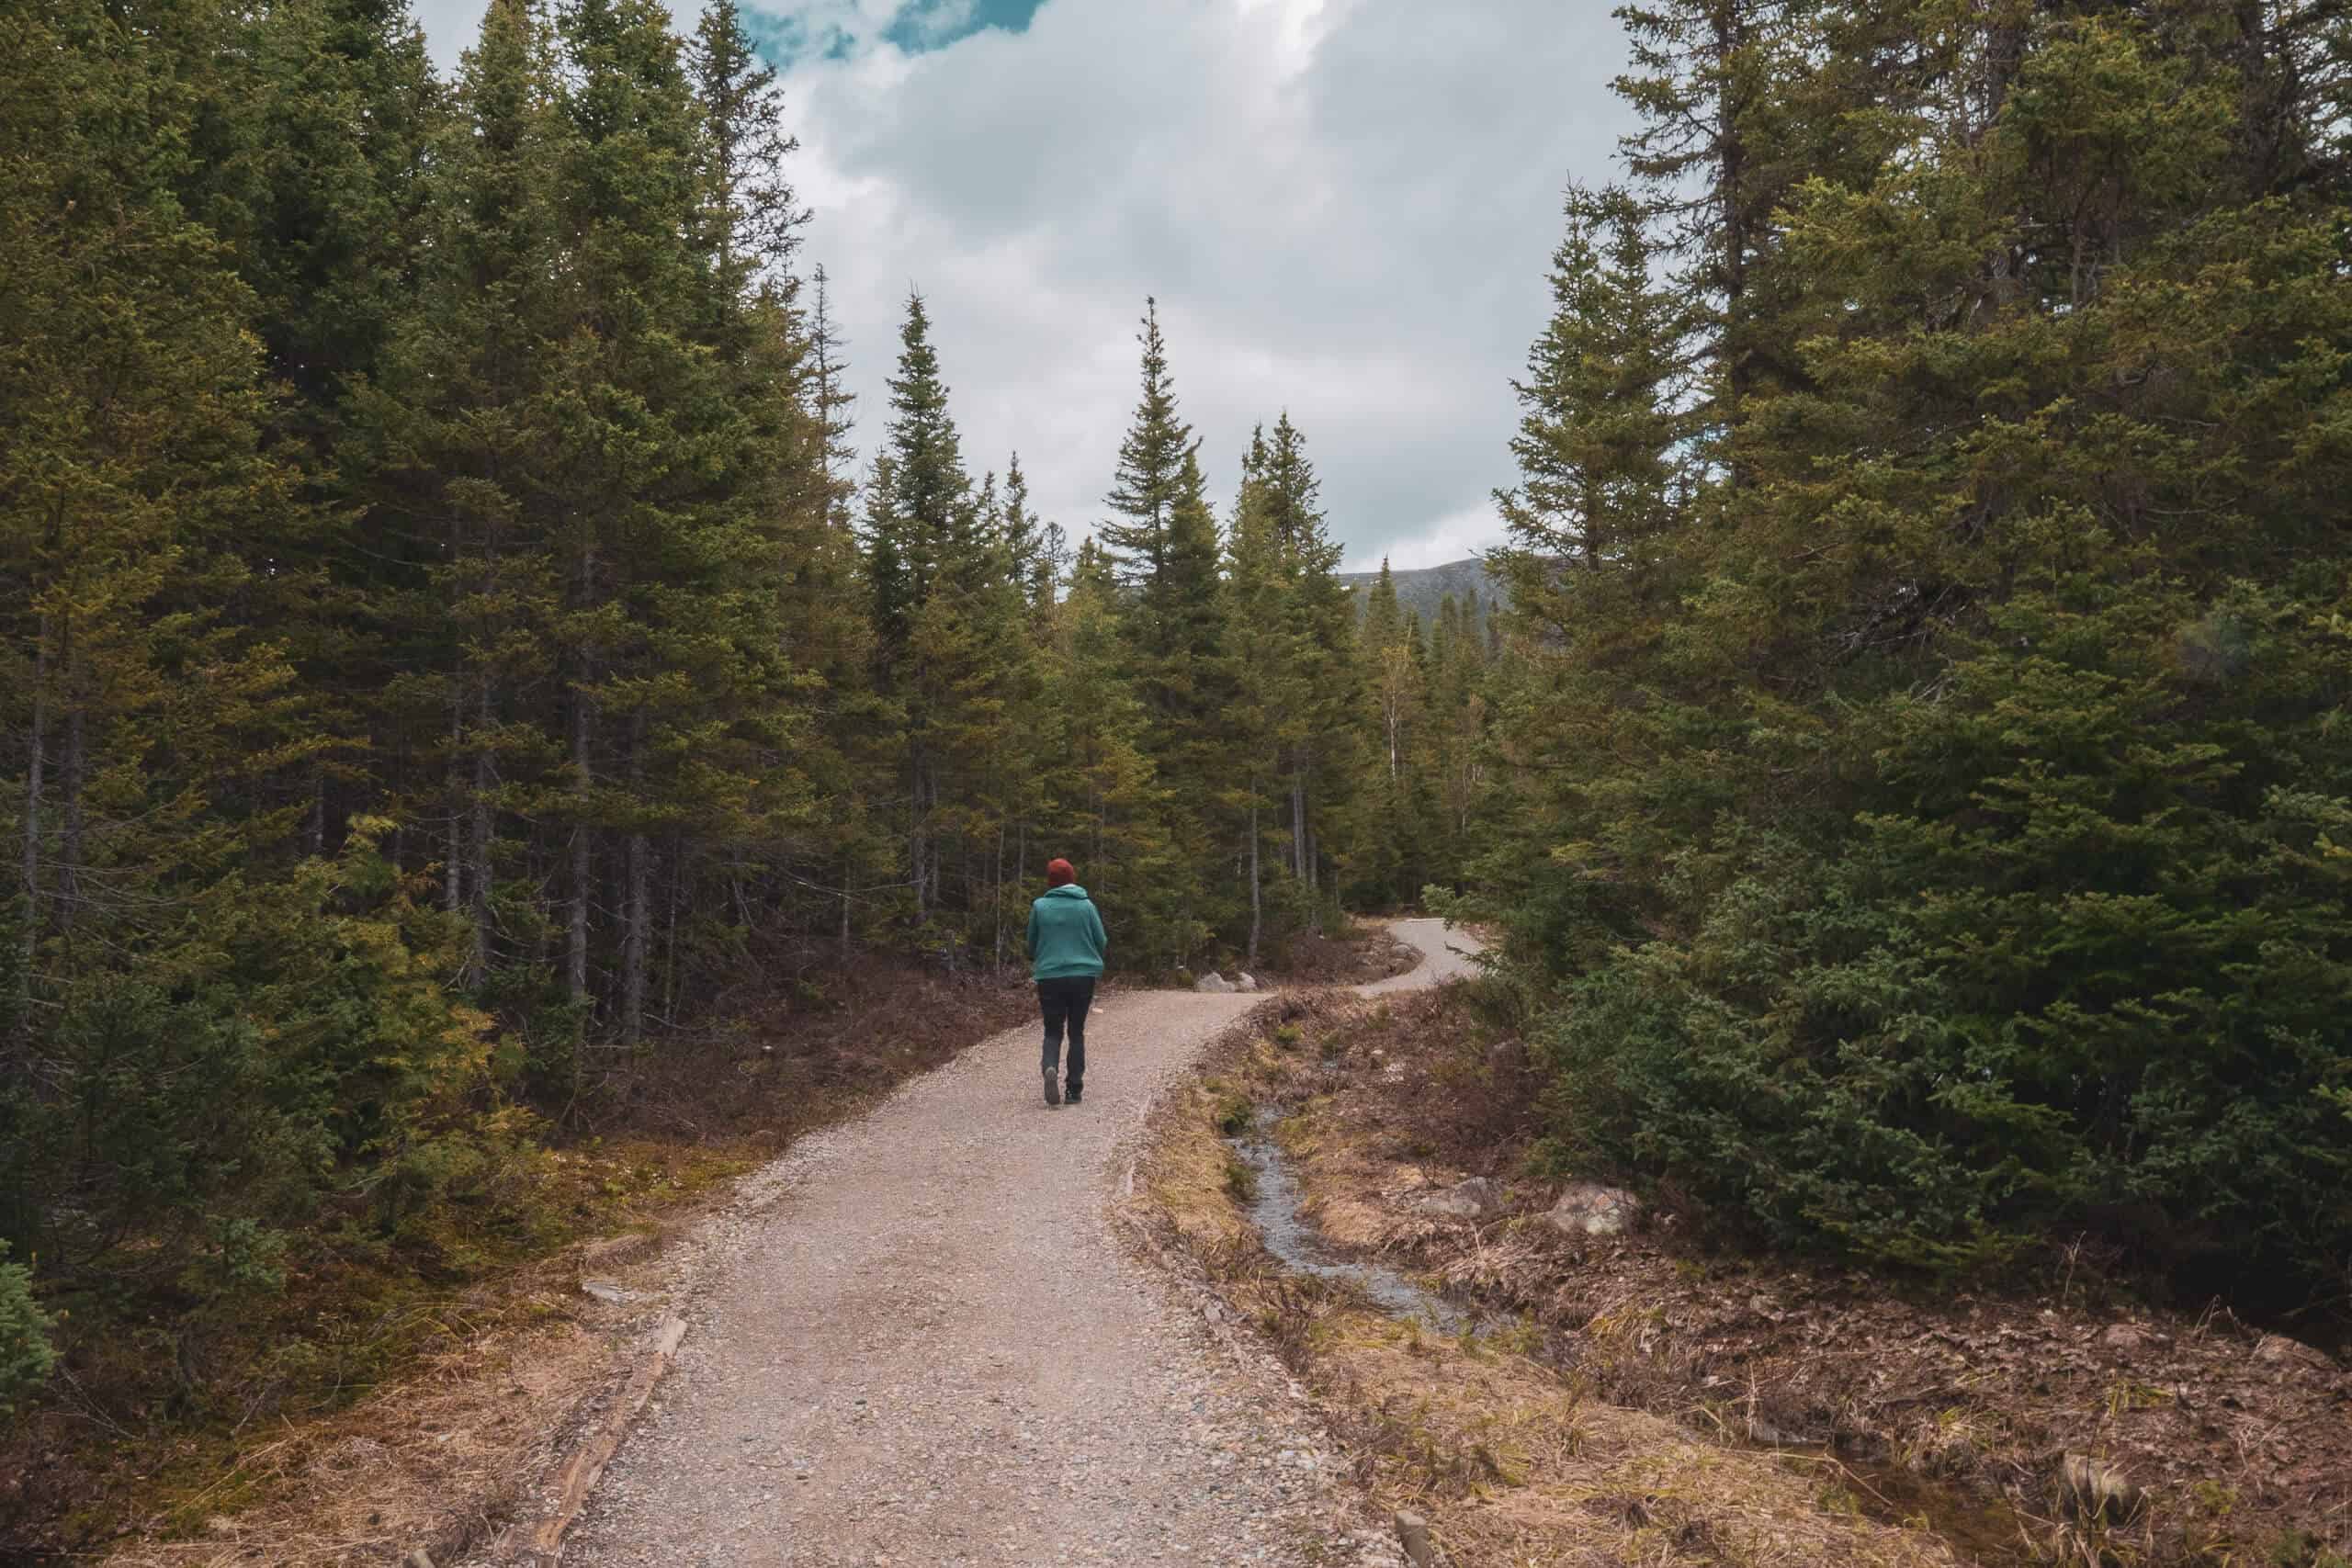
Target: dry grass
x=1511 y=1462
x=432 y=1463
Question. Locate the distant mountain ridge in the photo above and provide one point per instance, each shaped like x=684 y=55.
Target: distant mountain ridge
x=1424 y=588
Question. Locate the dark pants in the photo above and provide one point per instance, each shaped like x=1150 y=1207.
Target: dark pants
x=1066 y=1001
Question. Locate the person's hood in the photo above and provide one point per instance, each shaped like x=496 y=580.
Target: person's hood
x=1067 y=890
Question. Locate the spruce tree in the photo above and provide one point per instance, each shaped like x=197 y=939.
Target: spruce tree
x=1105 y=806
x=1267 y=713
x=948 y=641
x=1325 y=762
x=1150 y=474
x=1165 y=551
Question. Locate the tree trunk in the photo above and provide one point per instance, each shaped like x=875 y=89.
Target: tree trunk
x=1257 y=907
x=583 y=859
x=37 y=749
x=315 y=830
x=634 y=945
x=845 y=933
x=69 y=855
x=1314 y=877
x=1298 y=828
x=478 y=855
x=453 y=870
x=917 y=847
x=670 y=941
x=1730 y=176
x=996 y=892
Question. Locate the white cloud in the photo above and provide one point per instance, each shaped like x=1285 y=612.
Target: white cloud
x=1345 y=207
x=1449 y=538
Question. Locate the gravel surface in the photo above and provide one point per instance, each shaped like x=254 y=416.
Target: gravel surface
x=917 y=1341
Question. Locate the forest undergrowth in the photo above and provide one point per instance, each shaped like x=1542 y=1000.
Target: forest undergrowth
x=167 y=1423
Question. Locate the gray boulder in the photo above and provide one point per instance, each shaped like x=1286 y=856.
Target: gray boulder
x=1587 y=1208
x=1212 y=981
x=1243 y=981
x=1476 y=1199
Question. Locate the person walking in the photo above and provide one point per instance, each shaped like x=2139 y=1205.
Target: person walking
x=1066 y=946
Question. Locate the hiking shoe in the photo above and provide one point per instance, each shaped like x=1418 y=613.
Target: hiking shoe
x=1052 y=1090
x=1074 y=1094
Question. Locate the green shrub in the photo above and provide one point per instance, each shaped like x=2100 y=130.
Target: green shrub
x=25 y=1353
x=2081 y=965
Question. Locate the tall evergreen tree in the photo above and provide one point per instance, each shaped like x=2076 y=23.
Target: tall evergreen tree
x=1324 y=762
x=1164 y=547
x=1267 y=717
x=1149 y=480
x=948 y=637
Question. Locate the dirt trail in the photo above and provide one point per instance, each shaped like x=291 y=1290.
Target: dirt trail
x=930 y=1349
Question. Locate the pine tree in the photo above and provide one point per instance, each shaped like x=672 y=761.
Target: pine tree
x=1267 y=717
x=1165 y=551
x=1026 y=545
x=949 y=642
x=1597 y=448
x=1150 y=476
x=750 y=219
x=1324 y=762
x=1104 y=807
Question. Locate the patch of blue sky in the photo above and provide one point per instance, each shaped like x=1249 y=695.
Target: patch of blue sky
x=786 y=37
x=934 y=24
x=783 y=41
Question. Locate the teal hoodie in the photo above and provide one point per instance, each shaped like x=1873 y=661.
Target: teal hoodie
x=1066 y=936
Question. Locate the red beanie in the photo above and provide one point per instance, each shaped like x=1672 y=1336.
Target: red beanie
x=1061 y=873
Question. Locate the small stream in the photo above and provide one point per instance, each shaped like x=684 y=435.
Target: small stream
x=1292 y=1236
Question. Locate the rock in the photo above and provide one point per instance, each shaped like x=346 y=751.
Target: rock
x=2095 y=1489
x=1476 y=1199
x=1587 y=1208
x=1244 y=981
x=604 y=1290
x=2123 y=1339
x=1212 y=981
x=1413 y=1535
x=2277 y=1350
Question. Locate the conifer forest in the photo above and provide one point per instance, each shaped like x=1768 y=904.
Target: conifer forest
x=458 y=618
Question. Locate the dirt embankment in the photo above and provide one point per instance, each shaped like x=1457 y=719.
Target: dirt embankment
x=1650 y=1397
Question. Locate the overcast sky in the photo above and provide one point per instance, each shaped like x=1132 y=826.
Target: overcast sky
x=1345 y=207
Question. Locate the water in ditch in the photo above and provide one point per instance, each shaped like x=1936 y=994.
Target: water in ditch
x=1291 y=1237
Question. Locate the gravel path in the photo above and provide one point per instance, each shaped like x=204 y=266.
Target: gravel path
x=924 y=1346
